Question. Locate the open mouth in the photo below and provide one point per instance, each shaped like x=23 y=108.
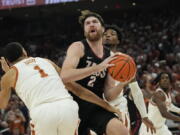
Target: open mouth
x=93 y=31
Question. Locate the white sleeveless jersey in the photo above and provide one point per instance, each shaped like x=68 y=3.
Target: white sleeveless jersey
x=120 y=101
x=38 y=82
x=154 y=113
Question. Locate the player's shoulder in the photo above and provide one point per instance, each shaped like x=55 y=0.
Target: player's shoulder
x=77 y=44
x=76 y=48
x=159 y=95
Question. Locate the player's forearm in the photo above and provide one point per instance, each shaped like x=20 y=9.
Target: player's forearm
x=175 y=109
x=170 y=116
x=163 y=110
x=138 y=98
x=3 y=100
x=89 y=96
x=113 y=93
x=70 y=75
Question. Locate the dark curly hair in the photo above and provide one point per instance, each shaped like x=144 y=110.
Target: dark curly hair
x=115 y=28
x=158 y=78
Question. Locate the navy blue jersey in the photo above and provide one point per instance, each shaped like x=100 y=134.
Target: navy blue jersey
x=94 y=82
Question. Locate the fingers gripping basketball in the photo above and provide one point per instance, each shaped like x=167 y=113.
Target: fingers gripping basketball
x=124 y=68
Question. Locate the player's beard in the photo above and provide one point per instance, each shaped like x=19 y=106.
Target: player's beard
x=93 y=37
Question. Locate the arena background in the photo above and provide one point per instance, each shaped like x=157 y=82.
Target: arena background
x=150 y=33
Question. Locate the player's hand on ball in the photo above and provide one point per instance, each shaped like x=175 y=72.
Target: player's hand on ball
x=124 y=69
x=106 y=63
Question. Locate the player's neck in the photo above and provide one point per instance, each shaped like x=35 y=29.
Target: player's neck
x=19 y=59
x=97 y=47
x=95 y=44
x=166 y=90
x=114 y=49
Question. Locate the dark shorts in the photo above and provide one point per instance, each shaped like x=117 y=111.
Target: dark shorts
x=135 y=127
x=97 y=121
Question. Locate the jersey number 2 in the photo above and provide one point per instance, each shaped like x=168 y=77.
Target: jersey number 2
x=41 y=71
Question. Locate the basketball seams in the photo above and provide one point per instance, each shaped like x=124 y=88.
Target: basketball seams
x=121 y=68
x=124 y=69
x=115 y=75
x=114 y=67
x=128 y=70
x=134 y=66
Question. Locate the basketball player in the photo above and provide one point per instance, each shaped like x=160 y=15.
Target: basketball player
x=112 y=38
x=37 y=82
x=160 y=105
x=86 y=62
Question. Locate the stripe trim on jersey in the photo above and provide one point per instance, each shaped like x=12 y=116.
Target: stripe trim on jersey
x=154 y=104
x=17 y=73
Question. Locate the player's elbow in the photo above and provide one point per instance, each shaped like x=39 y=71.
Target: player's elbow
x=64 y=78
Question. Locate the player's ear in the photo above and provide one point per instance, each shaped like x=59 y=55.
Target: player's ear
x=103 y=29
x=24 y=52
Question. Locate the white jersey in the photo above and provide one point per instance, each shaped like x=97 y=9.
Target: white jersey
x=38 y=82
x=154 y=114
x=121 y=103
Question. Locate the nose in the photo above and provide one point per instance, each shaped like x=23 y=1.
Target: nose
x=108 y=35
x=91 y=24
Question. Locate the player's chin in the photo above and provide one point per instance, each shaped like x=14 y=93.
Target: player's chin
x=93 y=38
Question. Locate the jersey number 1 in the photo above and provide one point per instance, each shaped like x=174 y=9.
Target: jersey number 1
x=41 y=71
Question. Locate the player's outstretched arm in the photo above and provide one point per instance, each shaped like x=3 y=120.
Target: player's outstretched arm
x=138 y=98
x=7 y=83
x=174 y=108
x=159 y=99
x=89 y=96
x=70 y=72
x=140 y=104
x=111 y=90
x=85 y=94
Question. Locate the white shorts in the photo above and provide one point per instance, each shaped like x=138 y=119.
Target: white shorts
x=56 y=118
x=159 y=131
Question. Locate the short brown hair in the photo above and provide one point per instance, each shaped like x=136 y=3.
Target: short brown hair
x=86 y=13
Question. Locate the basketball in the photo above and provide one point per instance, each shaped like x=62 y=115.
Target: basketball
x=124 y=68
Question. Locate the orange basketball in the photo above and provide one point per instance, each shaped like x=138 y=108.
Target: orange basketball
x=124 y=68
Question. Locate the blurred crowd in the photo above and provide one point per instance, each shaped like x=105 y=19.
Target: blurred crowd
x=152 y=39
